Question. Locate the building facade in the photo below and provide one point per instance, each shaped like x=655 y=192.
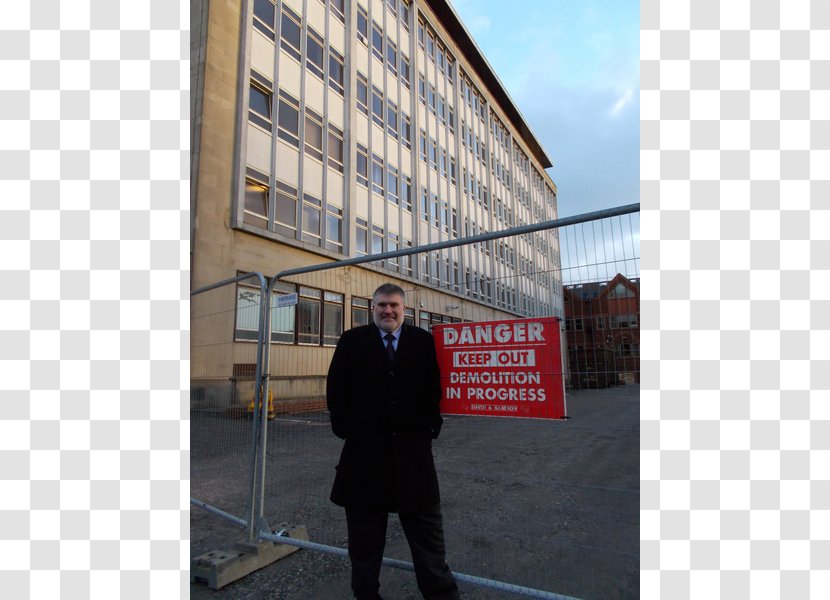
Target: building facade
x=602 y=326
x=327 y=129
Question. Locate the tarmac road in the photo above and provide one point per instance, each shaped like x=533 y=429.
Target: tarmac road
x=551 y=505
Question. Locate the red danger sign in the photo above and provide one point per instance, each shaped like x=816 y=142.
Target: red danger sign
x=501 y=368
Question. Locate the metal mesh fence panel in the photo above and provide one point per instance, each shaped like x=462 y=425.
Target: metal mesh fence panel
x=601 y=276
x=225 y=328
x=549 y=505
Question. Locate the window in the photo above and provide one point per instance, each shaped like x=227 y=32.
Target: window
x=628 y=350
x=406 y=131
x=600 y=322
x=362 y=25
x=334 y=229
x=403 y=13
x=574 y=325
x=451 y=118
x=377 y=239
x=423 y=320
x=362 y=93
x=377 y=42
x=430 y=46
x=247 y=312
x=256 y=204
x=335 y=148
x=392 y=119
x=406 y=262
x=338 y=9
x=442 y=163
x=314 y=53
x=439 y=58
x=406 y=193
x=409 y=316
x=332 y=318
x=421 y=34
x=424 y=207
x=360 y=312
x=308 y=316
x=391 y=246
x=285 y=214
x=289 y=119
x=264 y=17
x=313 y=134
x=441 y=109
x=377 y=106
x=452 y=170
x=391 y=57
x=311 y=219
x=621 y=291
x=432 y=99
x=260 y=106
x=433 y=210
x=423 y=145
x=290 y=34
x=422 y=89
x=283 y=318
x=622 y=321
x=336 y=71
x=362 y=165
x=392 y=184
x=361 y=238
x=405 y=71
x=377 y=174
x=433 y=159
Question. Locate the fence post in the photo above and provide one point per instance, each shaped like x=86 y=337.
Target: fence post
x=265 y=359
x=255 y=413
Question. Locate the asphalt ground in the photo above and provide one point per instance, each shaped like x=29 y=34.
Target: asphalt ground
x=550 y=505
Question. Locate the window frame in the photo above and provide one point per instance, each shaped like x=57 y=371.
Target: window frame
x=317 y=69
x=289 y=102
x=362 y=20
x=336 y=64
x=362 y=177
x=266 y=121
x=293 y=51
x=313 y=122
x=261 y=24
x=335 y=140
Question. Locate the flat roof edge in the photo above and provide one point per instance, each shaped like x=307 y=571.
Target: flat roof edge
x=455 y=27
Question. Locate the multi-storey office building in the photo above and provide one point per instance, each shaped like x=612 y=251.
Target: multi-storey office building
x=324 y=129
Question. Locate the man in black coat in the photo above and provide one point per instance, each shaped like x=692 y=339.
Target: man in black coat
x=383 y=393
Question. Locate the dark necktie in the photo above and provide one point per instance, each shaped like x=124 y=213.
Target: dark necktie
x=390 y=348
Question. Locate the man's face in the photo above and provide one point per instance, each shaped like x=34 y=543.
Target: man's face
x=388 y=312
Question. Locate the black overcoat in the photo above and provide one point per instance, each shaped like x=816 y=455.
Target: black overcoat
x=388 y=415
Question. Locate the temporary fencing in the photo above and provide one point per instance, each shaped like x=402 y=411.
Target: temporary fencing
x=223 y=393
x=602 y=301
x=513 y=497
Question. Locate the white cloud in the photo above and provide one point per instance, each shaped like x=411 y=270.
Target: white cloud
x=479 y=25
x=623 y=101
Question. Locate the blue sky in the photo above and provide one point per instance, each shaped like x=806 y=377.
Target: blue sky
x=573 y=69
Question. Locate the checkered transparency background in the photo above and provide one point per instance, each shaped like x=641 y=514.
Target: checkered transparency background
x=735 y=163
x=94 y=275
x=735 y=191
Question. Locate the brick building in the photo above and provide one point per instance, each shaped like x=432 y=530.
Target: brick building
x=602 y=325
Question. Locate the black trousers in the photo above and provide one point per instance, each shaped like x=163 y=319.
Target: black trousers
x=425 y=534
